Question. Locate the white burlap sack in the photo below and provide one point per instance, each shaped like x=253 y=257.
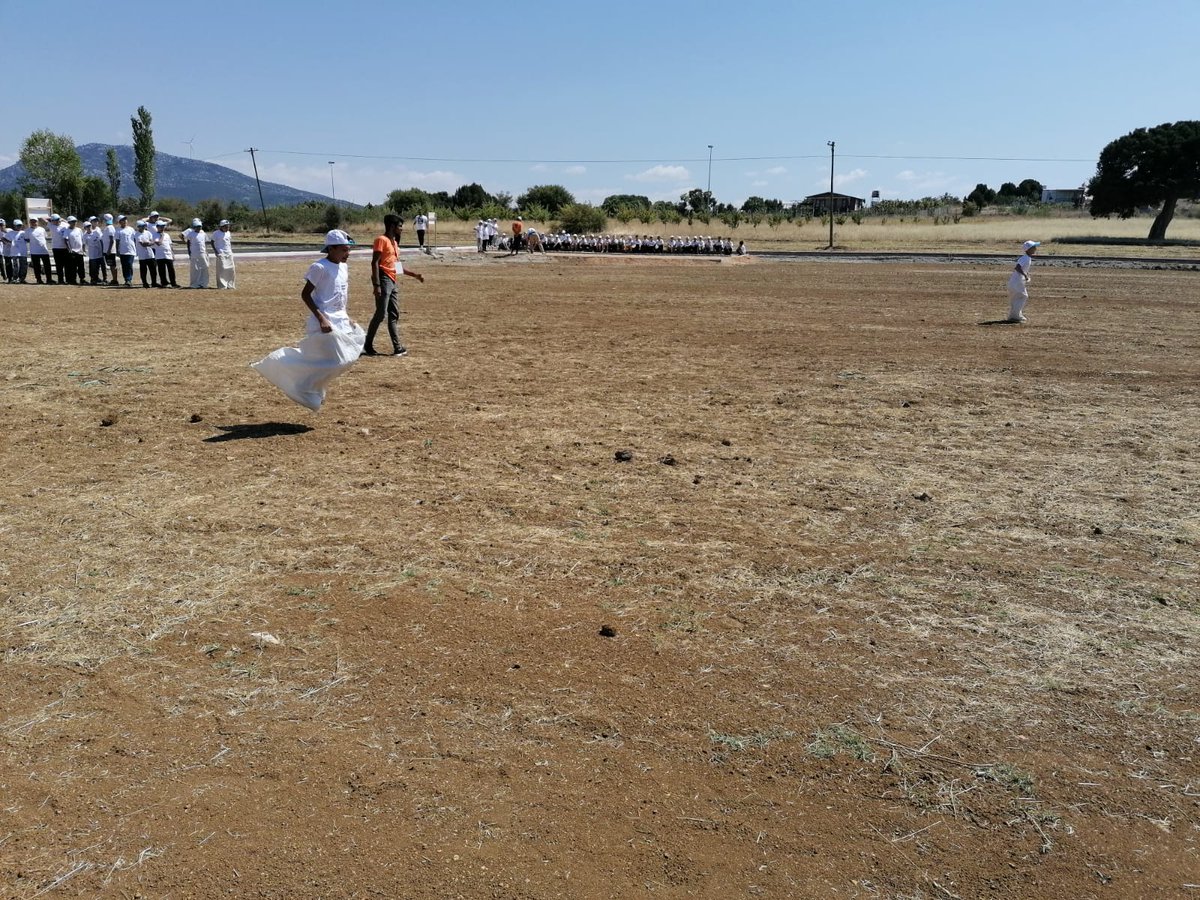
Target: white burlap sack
x=305 y=371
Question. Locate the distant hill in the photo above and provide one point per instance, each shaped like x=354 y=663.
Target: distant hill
x=175 y=176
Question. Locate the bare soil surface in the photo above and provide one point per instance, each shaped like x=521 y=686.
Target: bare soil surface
x=636 y=577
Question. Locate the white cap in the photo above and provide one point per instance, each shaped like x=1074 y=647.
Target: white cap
x=54 y=217
x=153 y=214
x=108 y=217
x=196 y=223
x=222 y=223
x=72 y=219
x=141 y=223
x=18 y=222
x=1029 y=245
x=338 y=238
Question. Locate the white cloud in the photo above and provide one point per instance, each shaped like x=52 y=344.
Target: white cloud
x=576 y=170
x=849 y=177
x=662 y=173
x=776 y=170
x=927 y=183
x=539 y=167
x=353 y=181
x=759 y=183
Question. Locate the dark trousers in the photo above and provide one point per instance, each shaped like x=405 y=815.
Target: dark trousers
x=9 y=267
x=62 y=266
x=420 y=238
x=110 y=259
x=96 y=270
x=147 y=267
x=41 y=268
x=387 y=304
x=127 y=267
x=166 y=273
x=76 y=268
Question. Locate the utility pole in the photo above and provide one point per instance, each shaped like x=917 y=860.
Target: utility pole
x=332 y=191
x=254 y=162
x=709 y=188
x=831 y=146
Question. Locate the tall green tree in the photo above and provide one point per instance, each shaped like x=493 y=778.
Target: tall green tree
x=113 y=170
x=1148 y=167
x=470 y=196
x=614 y=202
x=93 y=195
x=52 y=167
x=552 y=197
x=408 y=200
x=143 y=155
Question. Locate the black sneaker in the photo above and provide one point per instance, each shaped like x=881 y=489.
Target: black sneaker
x=400 y=351
x=367 y=351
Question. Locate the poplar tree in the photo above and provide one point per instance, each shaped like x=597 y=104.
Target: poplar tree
x=143 y=153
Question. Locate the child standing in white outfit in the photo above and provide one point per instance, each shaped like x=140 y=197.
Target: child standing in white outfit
x=1018 y=282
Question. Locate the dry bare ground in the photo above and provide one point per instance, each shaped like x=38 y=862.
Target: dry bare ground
x=886 y=603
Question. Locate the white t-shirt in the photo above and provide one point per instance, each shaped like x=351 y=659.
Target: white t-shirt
x=162 y=246
x=6 y=246
x=126 y=241
x=21 y=243
x=91 y=240
x=1017 y=279
x=109 y=239
x=74 y=238
x=195 y=238
x=145 y=244
x=331 y=293
x=222 y=241
x=421 y=221
x=58 y=237
x=37 y=242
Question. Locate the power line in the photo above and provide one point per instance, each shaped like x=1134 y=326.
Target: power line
x=701 y=159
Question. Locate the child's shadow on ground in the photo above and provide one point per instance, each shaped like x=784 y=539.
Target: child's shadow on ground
x=262 y=430
x=1000 y=322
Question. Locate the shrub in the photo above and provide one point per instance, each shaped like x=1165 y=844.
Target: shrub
x=856 y=218
x=582 y=218
x=775 y=219
x=969 y=209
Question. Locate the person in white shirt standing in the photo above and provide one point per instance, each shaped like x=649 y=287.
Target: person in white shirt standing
x=1018 y=283
x=164 y=256
x=147 y=268
x=108 y=241
x=39 y=252
x=20 y=251
x=76 y=270
x=421 y=222
x=126 y=248
x=197 y=248
x=6 y=248
x=222 y=242
x=94 y=248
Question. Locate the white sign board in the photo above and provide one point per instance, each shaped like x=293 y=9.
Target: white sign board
x=37 y=207
x=432 y=218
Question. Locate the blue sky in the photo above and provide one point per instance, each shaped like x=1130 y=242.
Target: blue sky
x=614 y=97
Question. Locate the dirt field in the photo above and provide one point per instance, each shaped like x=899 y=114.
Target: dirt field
x=888 y=602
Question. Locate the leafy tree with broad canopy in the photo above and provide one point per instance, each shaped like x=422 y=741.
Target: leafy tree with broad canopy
x=409 y=200
x=1148 y=167
x=582 y=218
x=552 y=197
x=470 y=196
x=614 y=202
x=52 y=167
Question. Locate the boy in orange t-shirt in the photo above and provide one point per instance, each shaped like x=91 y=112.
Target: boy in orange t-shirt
x=386 y=270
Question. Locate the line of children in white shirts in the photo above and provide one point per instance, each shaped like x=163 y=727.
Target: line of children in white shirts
x=107 y=248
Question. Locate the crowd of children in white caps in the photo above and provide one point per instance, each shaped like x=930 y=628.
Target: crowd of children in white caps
x=101 y=251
